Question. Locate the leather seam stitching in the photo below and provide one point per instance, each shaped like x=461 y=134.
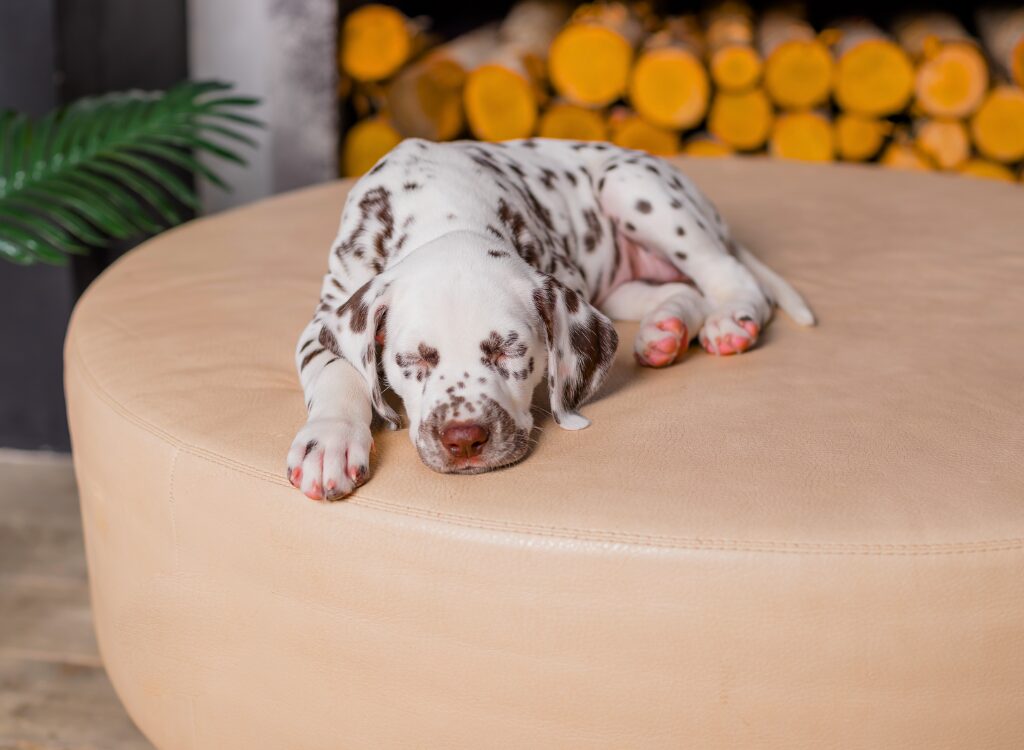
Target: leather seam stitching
x=712 y=544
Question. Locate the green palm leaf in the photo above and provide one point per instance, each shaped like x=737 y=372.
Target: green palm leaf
x=109 y=167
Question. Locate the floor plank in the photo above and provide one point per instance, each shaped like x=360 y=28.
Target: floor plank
x=54 y=694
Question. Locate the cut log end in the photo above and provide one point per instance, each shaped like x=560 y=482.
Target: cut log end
x=860 y=138
x=427 y=103
x=572 y=122
x=798 y=74
x=735 y=67
x=985 y=169
x=500 y=104
x=669 y=87
x=804 y=136
x=874 y=77
x=903 y=154
x=743 y=120
x=706 y=146
x=945 y=142
x=632 y=131
x=366 y=142
x=952 y=82
x=998 y=125
x=589 y=64
x=375 y=42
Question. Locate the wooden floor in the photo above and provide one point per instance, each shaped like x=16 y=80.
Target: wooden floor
x=54 y=694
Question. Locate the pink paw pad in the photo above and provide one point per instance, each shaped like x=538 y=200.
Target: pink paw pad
x=664 y=351
x=724 y=344
x=675 y=325
x=314 y=492
x=750 y=326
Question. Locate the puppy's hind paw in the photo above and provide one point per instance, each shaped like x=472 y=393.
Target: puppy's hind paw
x=659 y=343
x=729 y=332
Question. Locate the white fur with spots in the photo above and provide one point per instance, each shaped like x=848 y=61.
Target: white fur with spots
x=463 y=272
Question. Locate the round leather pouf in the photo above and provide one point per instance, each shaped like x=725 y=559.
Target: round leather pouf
x=819 y=543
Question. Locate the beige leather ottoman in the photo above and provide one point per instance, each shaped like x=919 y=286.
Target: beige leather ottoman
x=819 y=544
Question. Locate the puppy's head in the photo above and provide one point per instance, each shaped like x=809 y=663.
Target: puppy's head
x=465 y=337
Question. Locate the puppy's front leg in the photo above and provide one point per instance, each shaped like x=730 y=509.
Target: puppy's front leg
x=330 y=455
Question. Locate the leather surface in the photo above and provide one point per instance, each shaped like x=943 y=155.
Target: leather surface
x=816 y=544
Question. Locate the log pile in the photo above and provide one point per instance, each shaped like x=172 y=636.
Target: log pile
x=928 y=91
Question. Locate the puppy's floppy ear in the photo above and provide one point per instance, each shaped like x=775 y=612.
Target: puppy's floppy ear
x=360 y=323
x=581 y=345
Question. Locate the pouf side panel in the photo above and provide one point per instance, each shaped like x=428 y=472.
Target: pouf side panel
x=286 y=623
x=124 y=475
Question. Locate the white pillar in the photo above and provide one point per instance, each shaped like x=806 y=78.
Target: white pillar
x=283 y=51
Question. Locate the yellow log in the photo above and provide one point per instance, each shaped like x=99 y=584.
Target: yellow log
x=874 y=75
x=590 y=59
x=563 y=120
x=1002 y=30
x=998 y=126
x=629 y=130
x=860 y=138
x=901 y=153
x=741 y=120
x=365 y=143
x=425 y=99
x=376 y=40
x=945 y=142
x=706 y=146
x=952 y=75
x=502 y=96
x=986 y=169
x=669 y=86
x=798 y=67
x=501 y=101
x=805 y=136
x=734 y=62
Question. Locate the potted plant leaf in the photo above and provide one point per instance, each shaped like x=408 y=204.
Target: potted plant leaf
x=112 y=167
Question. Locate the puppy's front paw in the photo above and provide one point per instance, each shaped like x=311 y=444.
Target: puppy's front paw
x=730 y=332
x=329 y=458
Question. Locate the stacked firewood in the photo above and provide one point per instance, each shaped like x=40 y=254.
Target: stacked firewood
x=921 y=94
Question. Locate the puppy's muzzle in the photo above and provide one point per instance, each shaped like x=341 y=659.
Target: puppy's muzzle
x=469 y=447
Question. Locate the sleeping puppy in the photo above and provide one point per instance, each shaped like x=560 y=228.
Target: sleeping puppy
x=466 y=273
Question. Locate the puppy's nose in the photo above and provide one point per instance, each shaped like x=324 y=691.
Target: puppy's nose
x=464 y=439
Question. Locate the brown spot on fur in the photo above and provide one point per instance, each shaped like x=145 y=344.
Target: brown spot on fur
x=309 y=357
x=643 y=206
x=594 y=232
x=594 y=344
x=328 y=341
x=498 y=349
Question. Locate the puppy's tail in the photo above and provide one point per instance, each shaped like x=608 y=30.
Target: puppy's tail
x=788 y=298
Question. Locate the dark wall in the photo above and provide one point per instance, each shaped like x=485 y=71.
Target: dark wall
x=34 y=302
x=52 y=52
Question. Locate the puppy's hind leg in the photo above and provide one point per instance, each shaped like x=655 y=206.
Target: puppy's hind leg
x=670 y=316
x=657 y=208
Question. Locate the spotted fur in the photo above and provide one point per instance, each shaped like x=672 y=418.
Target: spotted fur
x=520 y=246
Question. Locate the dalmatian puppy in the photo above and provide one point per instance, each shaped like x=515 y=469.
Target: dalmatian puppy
x=464 y=274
